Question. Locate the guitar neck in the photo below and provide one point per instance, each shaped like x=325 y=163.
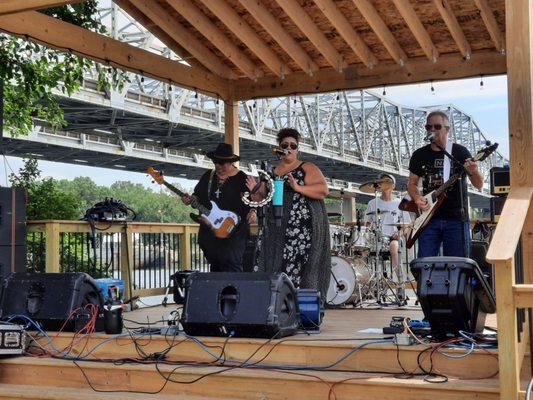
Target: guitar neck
x=195 y=204
x=448 y=184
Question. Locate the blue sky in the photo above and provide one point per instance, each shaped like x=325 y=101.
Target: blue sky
x=488 y=106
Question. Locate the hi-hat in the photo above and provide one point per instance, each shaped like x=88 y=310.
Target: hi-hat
x=400 y=225
x=378 y=212
x=379 y=185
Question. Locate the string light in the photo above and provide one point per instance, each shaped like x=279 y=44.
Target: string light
x=432 y=88
x=384 y=91
x=481 y=82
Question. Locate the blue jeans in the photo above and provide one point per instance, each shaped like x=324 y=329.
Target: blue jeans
x=447 y=233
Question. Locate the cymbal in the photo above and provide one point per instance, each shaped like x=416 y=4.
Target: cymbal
x=400 y=225
x=378 y=185
x=377 y=212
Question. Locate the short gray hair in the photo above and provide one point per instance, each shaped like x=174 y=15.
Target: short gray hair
x=444 y=116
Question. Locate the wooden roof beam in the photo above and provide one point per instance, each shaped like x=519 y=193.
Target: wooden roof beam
x=492 y=25
x=159 y=33
x=341 y=24
x=247 y=35
x=204 y=25
x=451 y=22
x=183 y=37
x=52 y=32
x=381 y=30
x=274 y=29
x=302 y=20
x=450 y=66
x=419 y=31
x=16 y=6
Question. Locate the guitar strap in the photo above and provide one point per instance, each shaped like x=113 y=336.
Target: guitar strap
x=447 y=162
x=210 y=185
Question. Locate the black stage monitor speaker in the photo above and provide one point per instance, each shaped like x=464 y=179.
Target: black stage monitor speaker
x=479 y=255
x=49 y=298
x=12 y=216
x=240 y=304
x=453 y=293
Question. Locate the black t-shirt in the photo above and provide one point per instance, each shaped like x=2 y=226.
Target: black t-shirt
x=429 y=165
x=228 y=196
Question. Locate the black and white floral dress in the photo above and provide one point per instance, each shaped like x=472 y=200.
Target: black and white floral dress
x=298 y=233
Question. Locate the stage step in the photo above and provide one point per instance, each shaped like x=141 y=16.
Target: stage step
x=27 y=392
x=233 y=384
x=304 y=351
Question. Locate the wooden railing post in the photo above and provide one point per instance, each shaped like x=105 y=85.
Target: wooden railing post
x=185 y=248
x=126 y=261
x=52 y=259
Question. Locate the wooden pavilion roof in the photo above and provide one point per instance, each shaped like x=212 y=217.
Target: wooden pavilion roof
x=241 y=49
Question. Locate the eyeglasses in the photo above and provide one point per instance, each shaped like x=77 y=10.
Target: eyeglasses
x=437 y=127
x=286 y=145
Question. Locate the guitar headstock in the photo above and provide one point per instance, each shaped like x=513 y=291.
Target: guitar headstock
x=158 y=176
x=485 y=152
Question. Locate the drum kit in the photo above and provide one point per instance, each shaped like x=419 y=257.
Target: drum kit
x=359 y=253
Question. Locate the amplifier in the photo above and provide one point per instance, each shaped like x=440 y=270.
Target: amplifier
x=496 y=207
x=12 y=339
x=500 y=181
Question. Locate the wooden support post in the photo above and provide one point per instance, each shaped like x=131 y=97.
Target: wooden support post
x=185 y=249
x=348 y=209
x=52 y=247
x=519 y=31
x=231 y=108
x=126 y=261
x=507 y=333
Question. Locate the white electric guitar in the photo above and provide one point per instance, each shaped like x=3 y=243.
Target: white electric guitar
x=221 y=222
x=435 y=199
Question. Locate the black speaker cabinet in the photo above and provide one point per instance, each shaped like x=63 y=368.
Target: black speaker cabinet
x=49 y=298
x=12 y=259
x=240 y=305
x=12 y=216
x=479 y=255
x=453 y=293
x=496 y=207
x=500 y=181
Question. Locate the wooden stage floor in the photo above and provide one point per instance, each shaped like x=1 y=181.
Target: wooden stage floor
x=338 y=363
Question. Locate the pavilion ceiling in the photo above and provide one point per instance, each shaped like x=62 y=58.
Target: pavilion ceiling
x=261 y=48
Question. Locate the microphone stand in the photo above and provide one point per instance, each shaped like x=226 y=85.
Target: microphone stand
x=464 y=172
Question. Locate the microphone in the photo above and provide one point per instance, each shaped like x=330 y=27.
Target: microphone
x=277 y=200
x=430 y=137
x=280 y=151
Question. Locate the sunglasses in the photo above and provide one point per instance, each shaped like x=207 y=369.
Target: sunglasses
x=292 y=145
x=437 y=127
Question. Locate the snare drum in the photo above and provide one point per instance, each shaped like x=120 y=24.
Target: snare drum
x=349 y=282
x=360 y=240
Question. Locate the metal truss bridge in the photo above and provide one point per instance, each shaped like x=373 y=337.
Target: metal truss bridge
x=352 y=136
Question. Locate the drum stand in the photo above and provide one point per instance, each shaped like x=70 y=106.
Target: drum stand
x=381 y=280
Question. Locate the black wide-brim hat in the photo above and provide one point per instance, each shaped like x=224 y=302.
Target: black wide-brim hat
x=223 y=153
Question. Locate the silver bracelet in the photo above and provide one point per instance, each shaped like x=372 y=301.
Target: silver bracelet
x=269 y=186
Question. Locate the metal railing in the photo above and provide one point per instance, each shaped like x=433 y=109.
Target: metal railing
x=144 y=255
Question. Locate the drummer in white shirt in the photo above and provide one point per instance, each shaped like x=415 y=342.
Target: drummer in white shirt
x=389 y=214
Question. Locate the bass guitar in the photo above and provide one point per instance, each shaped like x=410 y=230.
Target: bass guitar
x=435 y=199
x=221 y=222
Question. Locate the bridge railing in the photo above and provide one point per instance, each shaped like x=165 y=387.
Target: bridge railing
x=142 y=254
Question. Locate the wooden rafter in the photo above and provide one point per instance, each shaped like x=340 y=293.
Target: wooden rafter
x=339 y=21
x=274 y=29
x=247 y=35
x=16 y=6
x=302 y=20
x=449 y=66
x=413 y=22
x=381 y=30
x=159 y=33
x=183 y=37
x=57 y=34
x=492 y=25
x=207 y=28
x=451 y=22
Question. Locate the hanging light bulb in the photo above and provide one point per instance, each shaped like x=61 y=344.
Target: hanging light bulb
x=432 y=89
x=384 y=91
x=196 y=95
x=481 y=83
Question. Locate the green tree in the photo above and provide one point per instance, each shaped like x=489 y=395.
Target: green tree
x=30 y=72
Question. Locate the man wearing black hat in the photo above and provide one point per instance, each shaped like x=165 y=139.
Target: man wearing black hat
x=225 y=186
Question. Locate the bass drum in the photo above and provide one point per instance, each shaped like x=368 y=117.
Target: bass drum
x=349 y=281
